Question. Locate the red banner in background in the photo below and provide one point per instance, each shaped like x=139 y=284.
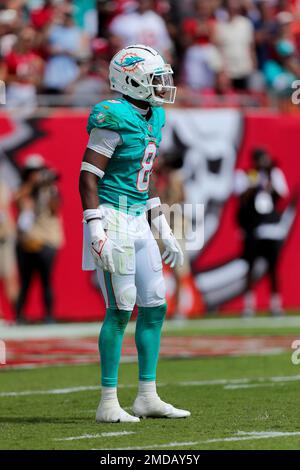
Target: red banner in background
x=279 y=135
x=61 y=138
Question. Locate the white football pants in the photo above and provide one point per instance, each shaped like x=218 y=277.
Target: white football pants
x=138 y=278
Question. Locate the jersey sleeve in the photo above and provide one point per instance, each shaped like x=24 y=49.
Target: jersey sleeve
x=104 y=116
x=103 y=141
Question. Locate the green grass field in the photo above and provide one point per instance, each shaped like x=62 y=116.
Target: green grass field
x=244 y=402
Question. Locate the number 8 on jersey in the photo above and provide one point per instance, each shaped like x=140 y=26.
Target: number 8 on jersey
x=143 y=177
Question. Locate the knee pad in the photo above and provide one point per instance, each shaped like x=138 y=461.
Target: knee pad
x=126 y=297
x=155 y=294
x=159 y=292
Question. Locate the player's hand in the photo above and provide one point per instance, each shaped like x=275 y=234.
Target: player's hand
x=173 y=254
x=102 y=251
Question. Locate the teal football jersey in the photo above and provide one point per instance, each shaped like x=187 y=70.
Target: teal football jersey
x=126 y=180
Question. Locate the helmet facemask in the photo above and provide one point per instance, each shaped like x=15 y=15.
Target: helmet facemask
x=162 y=87
x=156 y=87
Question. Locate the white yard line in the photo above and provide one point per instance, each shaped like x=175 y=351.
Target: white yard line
x=246 y=386
x=246 y=436
x=58 y=391
x=95 y=436
x=263 y=382
x=81 y=330
x=67 y=330
x=285 y=378
x=199 y=383
x=227 y=383
x=170 y=444
x=240 y=436
x=54 y=391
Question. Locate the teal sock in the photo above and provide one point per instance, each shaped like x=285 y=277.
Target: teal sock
x=110 y=344
x=147 y=339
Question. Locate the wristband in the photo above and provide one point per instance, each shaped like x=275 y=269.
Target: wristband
x=152 y=203
x=93 y=219
x=161 y=225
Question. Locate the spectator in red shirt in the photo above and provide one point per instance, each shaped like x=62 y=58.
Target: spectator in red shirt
x=202 y=61
x=42 y=17
x=199 y=28
x=24 y=69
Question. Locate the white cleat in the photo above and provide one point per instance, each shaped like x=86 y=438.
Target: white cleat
x=156 y=408
x=114 y=414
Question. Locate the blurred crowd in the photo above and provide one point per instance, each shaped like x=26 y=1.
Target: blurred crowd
x=60 y=49
x=31 y=233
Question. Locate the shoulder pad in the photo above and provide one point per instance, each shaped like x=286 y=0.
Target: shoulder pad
x=107 y=114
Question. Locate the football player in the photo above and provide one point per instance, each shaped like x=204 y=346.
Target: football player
x=124 y=137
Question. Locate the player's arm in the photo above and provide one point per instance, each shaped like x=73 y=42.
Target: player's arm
x=95 y=160
x=92 y=168
x=173 y=254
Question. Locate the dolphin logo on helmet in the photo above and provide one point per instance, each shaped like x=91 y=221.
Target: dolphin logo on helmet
x=129 y=62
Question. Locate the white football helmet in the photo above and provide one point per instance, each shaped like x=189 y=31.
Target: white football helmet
x=140 y=72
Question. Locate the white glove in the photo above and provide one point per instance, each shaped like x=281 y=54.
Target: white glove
x=101 y=246
x=173 y=254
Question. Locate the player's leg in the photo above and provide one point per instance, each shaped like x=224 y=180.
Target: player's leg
x=272 y=249
x=26 y=267
x=151 y=313
x=45 y=263
x=249 y=255
x=120 y=294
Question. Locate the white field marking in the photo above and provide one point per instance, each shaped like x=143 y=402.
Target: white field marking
x=228 y=384
x=170 y=444
x=55 y=391
x=248 y=436
x=245 y=386
x=240 y=436
x=58 y=391
x=285 y=378
x=263 y=433
x=225 y=382
x=237 y=322
x=95 y=436
x=199 y=383
x=264 y=382
x=75 y=330
x=80 y=330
